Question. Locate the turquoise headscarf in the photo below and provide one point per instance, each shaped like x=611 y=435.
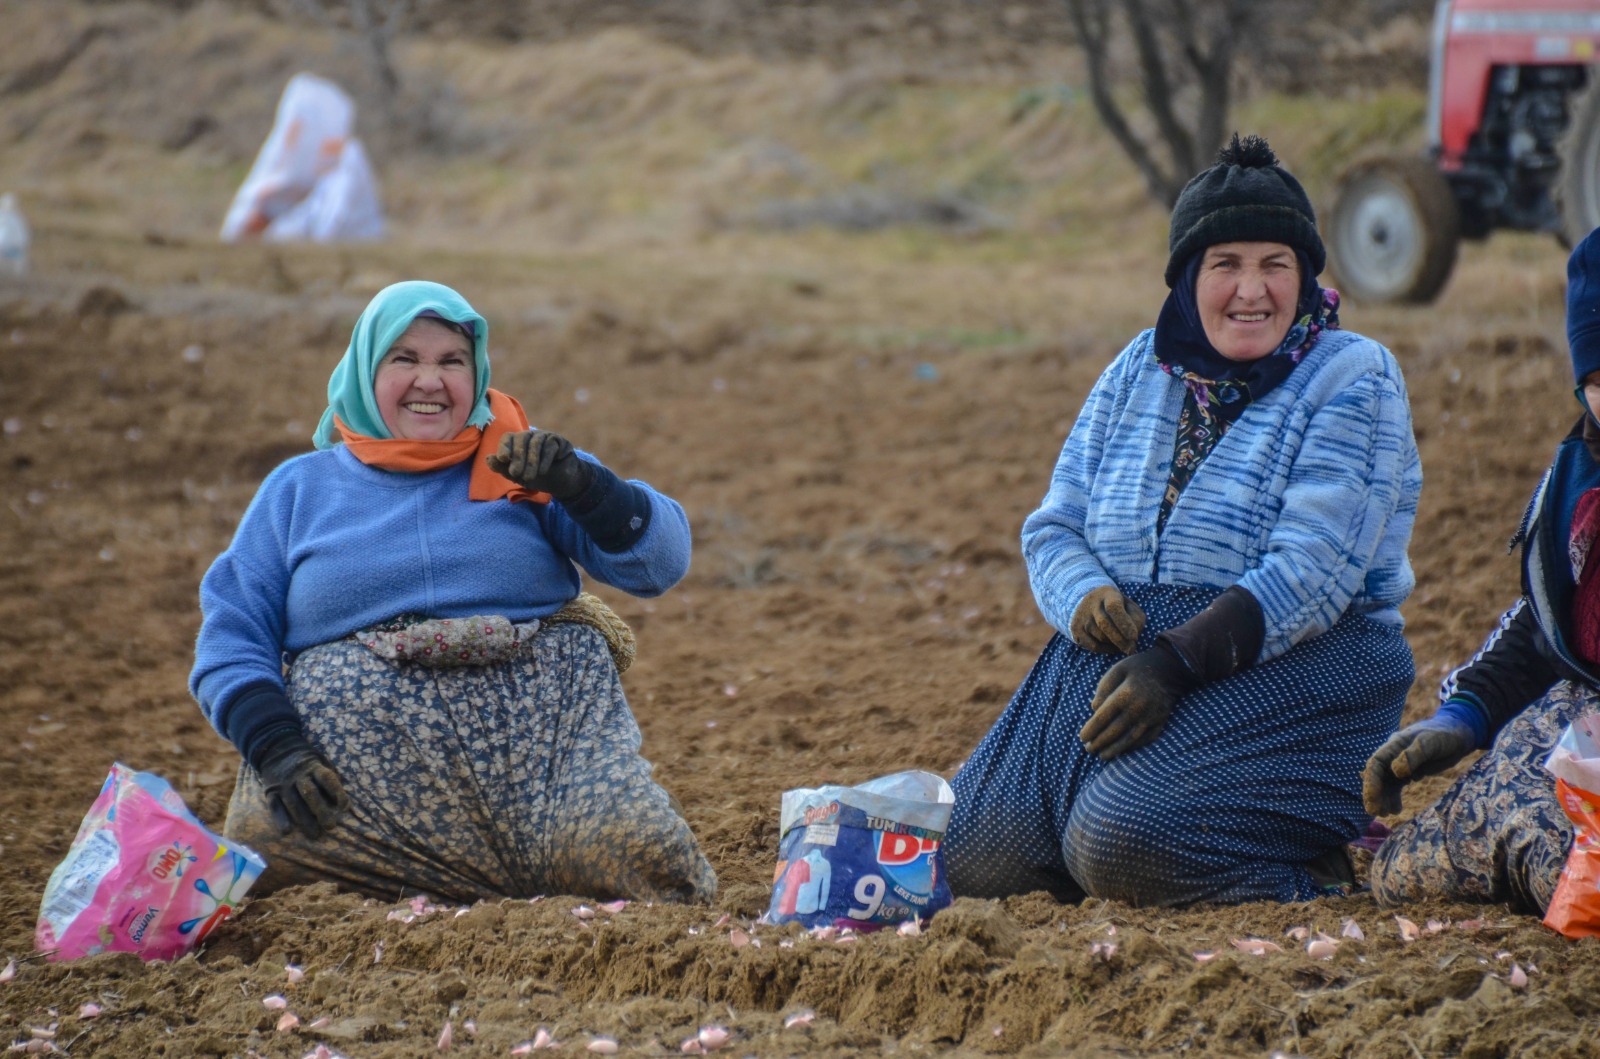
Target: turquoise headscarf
x=385 y=319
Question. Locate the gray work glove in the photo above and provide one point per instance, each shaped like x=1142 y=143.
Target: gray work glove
x=1134 y=699
x=1422 y=749
x=303 y=791
x=1107 y=622
x=544 y=462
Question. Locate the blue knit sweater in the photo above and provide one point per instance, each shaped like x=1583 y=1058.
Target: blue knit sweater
x=1308 y=500
x=330 y=545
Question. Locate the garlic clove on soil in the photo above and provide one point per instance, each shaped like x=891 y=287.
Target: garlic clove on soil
x=1256 y=946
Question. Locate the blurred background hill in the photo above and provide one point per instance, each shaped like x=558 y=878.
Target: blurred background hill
x=521 y=125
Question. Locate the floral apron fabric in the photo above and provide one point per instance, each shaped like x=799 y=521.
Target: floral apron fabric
x=509 y=779
x=1498 y=834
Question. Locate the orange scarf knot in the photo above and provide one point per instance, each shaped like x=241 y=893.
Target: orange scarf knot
x=473 y=443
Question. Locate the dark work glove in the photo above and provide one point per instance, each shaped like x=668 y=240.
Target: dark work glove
x=303 y=791
x=1422 y=749
x=1134 y=699
x=543 y=462
x=1107 y=622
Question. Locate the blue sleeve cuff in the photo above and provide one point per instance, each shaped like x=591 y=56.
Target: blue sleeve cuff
x=1470 y=712
x=614 y=513
x=255 y=720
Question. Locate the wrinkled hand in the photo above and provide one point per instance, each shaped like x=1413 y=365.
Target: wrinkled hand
x=303 y=791
x=1107 y=622
x=1417 y=750
x=1133 y=701
x=542 y=461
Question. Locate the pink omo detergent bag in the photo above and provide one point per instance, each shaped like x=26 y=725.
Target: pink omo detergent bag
x=144 y=875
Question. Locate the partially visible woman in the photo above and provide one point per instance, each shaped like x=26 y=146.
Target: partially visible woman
x=1499 y=834
x=1222 y=552
x=397 y=644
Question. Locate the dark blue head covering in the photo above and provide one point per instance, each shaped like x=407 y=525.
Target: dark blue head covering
x=1182 y=348
x=1583 y=306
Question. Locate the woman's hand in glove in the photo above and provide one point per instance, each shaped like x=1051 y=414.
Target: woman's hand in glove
x=543 y=462
x=1134 y=699
x=303 y=791
x=1422 y=749
x=1107 y=622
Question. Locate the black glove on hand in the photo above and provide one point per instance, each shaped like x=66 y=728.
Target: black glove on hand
x=1107 y=622
x=1134 y=699
x=1417 y=750
x=303 y=790
x=543 y=462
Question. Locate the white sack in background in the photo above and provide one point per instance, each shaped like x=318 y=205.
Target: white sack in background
x=311 y=180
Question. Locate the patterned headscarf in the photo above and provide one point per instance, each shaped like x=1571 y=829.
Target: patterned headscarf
x=1218 y=390
x=1223 y=388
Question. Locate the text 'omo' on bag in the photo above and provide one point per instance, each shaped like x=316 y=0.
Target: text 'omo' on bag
x=144 y=875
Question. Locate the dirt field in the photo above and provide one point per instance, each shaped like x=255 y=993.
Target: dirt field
x=857 y=426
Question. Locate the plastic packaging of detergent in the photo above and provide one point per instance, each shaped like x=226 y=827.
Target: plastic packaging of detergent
x=1575 y=762
x=144 y=875
x=865 y=856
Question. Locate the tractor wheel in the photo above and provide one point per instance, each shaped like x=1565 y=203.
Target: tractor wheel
x=1578 y=191
x=1394 y=231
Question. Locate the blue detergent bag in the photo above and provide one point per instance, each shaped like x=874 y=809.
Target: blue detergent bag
x=865 y=856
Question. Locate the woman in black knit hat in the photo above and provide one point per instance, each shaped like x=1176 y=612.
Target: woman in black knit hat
x=1222 y=552
x=1498 y=834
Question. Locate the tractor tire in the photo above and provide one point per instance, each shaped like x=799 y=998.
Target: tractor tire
x=1394 y=231
x=1578 y=187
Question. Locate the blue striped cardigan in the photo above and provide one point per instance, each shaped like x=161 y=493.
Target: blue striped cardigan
x=1307 y=501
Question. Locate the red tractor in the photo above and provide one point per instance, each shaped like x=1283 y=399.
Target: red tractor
x=1514 y=142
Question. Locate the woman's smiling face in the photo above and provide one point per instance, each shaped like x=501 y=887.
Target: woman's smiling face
x=1247 y=294
x=426 y=382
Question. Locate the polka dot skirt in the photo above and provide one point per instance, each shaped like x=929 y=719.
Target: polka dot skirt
x=1253 y=776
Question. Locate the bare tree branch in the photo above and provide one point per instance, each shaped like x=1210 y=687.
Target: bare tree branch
x=1184 y=52
x=1091 y=20
x=1158 y=93
x=374 y=30
x=373 y=24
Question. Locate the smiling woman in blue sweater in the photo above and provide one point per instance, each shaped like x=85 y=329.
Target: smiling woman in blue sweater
x=1222 y=552
x=397 y=644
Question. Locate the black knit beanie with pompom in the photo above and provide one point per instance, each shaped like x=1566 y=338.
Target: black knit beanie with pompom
x=1246 y=197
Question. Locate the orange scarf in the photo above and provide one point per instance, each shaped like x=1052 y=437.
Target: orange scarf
x=473 y=443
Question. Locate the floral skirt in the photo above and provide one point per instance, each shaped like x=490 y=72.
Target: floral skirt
x=511 y=779
x=1498 y=834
